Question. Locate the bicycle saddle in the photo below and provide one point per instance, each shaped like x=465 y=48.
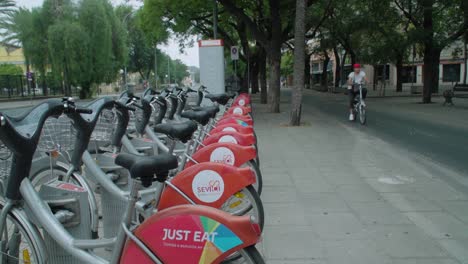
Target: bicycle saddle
x=180 y=131
x=202 y=117
x=219 y=98
x=145 y=167
x=213 y=110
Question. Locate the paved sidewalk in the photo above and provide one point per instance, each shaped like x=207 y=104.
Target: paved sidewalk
x=335 y=195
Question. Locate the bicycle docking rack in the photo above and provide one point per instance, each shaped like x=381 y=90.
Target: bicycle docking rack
x=69 y=204
x=112 y=208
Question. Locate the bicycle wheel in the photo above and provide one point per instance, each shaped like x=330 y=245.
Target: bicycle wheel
x=248 y=255
x=20 y=243
x=258 y=185
x=246 y=202
x=362 y=115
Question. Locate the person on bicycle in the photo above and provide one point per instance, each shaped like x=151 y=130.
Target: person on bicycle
x=354 y=78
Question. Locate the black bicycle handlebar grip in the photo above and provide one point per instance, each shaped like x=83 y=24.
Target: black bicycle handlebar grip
x=84 y=111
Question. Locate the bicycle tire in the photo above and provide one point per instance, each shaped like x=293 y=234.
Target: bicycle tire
x=27 y=235
x=255 y=201
x=250 y=254
x=258 y=185
x=362 y=115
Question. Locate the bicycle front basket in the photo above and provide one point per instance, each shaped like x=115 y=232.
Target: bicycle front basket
x=58 y=134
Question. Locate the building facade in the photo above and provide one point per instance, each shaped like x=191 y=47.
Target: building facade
x=10 y=54
x=451 y=70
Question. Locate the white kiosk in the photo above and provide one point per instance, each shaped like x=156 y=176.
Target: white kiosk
x=211 y=54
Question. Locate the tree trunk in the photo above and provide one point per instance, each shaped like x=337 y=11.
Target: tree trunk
x=262 y=77
x=307 y=75
x=375 y=80
x=353 y=57
x=399 y=70
x=254 y=77
x=343 y=74
x=465 y=50
x=274 y=81
x=299 y=64
x=324 y=79
x=337 y=67
x=244 y=83
x=274 y=57
x=428 y=52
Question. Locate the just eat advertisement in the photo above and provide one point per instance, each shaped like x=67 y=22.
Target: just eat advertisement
x=192 y=239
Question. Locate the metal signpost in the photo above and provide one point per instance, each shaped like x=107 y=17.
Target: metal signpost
x=30 y=78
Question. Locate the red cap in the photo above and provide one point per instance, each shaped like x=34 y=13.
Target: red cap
x=356 y=66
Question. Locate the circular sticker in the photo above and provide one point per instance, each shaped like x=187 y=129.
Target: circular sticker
x=229 y=129
x=227 y=139
x=208 y=186
x=241 y=102
x=223 y=155
x=237 y=111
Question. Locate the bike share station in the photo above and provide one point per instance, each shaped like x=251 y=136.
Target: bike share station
x=76 y=148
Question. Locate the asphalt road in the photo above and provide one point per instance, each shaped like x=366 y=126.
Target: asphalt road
x=406 y=124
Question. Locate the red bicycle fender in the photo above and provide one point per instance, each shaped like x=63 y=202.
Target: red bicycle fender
x=242 y=100
x=235 y=120
x=189 y=234
x=230 y=137
x=208 y=184
x=233 y=127
x=241 y=117
x=225 y=153
x=238 y=110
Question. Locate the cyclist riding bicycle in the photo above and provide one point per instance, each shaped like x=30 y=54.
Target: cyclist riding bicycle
x=356 y=77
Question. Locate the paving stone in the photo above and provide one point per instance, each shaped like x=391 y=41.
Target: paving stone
x=378 y=213
x=292 y=243
x=337 y=226
x=406 y=241
x=456 y=248
x=278 y=194
x=458 y=208
x=358 y=193
x=410 y=202
x=439 y=191
x=354 y=252
x=425 y=261
x=312 y=184
x=439 y=224
x=289 y=214
x=322 y=202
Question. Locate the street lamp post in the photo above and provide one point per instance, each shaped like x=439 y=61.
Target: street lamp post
x=155 y=67
x=124 y=21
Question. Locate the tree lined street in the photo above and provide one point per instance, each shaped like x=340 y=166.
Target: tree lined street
x=392 y=190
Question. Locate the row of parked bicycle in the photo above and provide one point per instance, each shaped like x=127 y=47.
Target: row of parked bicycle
x=144 y=179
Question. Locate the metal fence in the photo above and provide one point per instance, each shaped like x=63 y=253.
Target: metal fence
x=17 y=86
